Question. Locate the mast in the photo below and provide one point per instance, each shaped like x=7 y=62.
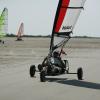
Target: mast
x=55 y=21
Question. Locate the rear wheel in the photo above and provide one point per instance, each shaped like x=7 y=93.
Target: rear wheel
x=67 y=66
x=42 y=76
x=32 y=70
x=80 y=73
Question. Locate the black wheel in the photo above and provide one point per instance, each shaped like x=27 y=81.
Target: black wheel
x=32 y=70
x=67 y=66
x=42 y=76
x=80 y=73
x=40 y=67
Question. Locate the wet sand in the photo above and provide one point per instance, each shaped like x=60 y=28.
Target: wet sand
x=17 y=56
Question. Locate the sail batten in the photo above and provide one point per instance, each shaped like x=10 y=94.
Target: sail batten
x=73 y=7
x=67 y=14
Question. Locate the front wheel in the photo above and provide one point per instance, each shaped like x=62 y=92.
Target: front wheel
x=67 y=66
x=32 y=70
x=80 y=73
x=40 y=67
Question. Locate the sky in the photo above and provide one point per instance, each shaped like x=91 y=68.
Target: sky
x=38 y=17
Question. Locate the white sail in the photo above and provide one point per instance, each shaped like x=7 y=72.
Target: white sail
x=67 y=14
x=20 y=31
x=71 y=16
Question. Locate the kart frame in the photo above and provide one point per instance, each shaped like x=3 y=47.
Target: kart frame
x=47 y=68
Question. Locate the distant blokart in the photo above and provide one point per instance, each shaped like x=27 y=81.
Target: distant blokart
x=3 y=25
x=20 y=32
x=67 y=14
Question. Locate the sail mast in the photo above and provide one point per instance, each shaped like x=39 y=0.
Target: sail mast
x=55 y=21
x=58 y=20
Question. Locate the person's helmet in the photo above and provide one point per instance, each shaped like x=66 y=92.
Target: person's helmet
x=56 y=54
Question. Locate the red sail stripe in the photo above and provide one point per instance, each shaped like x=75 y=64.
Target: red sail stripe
x=61 y=15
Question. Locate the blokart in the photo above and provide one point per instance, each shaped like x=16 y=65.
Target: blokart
x=20 y=32
x=65 y=19
x=52 y=66
x=3 y=25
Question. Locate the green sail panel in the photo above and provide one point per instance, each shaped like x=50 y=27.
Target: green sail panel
x=4 y=23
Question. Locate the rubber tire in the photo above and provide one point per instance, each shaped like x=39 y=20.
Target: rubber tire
x=32 y=70
x=67 y=63
x=67 y=66
x=80 y=73
x=42 y=76
x=40 y=67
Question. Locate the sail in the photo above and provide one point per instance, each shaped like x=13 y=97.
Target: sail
x=4 y=22
x=67 y=14
x=20 y=31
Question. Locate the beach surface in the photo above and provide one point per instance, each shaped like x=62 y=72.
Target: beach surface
x=16 y=57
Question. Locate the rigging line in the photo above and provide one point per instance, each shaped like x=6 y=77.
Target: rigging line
x=61 y=43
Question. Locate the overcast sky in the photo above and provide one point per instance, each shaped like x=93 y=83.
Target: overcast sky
x=38 y=16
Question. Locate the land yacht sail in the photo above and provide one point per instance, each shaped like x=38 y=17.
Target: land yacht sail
x=66 y=16
x=20 y=32
x=4 y=23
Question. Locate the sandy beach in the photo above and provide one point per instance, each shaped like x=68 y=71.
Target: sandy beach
x=17 y=56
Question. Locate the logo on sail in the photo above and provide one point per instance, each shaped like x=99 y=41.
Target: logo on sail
x=66 y=27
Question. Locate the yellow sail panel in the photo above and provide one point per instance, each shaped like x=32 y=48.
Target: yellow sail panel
x=4 y=23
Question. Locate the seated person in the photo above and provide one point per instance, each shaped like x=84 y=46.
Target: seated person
x=57 y=60
x=58 y=63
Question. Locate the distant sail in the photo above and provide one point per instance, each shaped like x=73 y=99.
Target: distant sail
x=67 y=14
x=20 y=31
x=4 y=23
